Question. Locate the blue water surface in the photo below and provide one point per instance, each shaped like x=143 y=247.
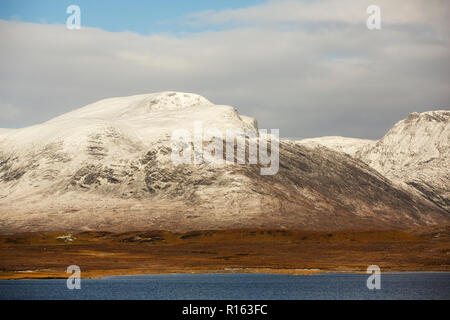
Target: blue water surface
x=432 y=285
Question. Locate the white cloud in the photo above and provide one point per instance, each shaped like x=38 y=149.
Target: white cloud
x=398 y=12
x=323 y=73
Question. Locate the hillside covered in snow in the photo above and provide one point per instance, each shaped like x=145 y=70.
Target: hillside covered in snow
x=342 y=144
x=107 y=166
x=415 y=152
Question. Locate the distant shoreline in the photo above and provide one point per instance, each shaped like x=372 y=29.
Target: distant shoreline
x=214 y=272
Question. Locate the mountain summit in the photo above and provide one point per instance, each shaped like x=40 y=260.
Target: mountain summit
x=107 y=166
x=415 y=153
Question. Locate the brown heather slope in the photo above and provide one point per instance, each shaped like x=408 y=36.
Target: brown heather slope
x=41 y=255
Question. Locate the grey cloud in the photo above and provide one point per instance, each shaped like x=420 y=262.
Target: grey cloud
x=341 y=80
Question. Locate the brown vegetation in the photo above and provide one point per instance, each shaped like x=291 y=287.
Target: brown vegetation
x=41 y=255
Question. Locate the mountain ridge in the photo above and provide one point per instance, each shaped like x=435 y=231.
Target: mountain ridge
x=415 y=153
x=108 y=166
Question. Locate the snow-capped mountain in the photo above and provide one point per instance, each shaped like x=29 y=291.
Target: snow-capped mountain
x=415 y=152
x=108 y=166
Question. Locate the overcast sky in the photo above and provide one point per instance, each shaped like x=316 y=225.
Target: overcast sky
x=309 y=68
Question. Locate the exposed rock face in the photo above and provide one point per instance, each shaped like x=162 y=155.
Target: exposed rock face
x=108 y=166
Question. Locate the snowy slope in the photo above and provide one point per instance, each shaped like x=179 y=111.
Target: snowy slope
x=342 y=144
x=416 y=151
x=143 y=119
x=4 y=131
x=112 y=132
x=107 y=166
x=414 y=154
